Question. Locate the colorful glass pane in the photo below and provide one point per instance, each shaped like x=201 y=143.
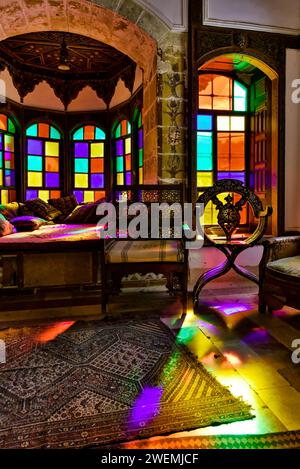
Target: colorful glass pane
x=7 y=160
x=204 y=122
x=123 y=155
x=88 y=162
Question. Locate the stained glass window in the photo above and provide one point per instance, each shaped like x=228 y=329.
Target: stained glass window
x=7 y=160
x=43 y=143
x=88 y=155
x=123 y=154
x=221 y=133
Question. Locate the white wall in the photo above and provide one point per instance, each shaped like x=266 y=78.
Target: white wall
x=173 y=12
x=282 y=16
x=292 y=144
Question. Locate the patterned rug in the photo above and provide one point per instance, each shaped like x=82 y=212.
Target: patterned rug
x=282 y=440
x=98 y=383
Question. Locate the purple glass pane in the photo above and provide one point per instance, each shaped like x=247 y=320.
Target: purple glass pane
x=232 y=175
x=52 y=179
x=81 y=150
x=120 y=147
x=1 y=140
x=79 y=196
x=9 y=177
x=128 y=179
x=141 y=138
x=97 y=181
x=34 y=147
x=31 y=194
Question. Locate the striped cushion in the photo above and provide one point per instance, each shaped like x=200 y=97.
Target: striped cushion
x=163 y=250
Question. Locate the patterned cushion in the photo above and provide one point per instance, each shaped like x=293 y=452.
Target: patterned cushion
x=83 y=214
x=65 y=204
x=163 y=250
x=6 y=228
x=27 y=223
x=10 y=210
x=288 y=266
x=41 y=209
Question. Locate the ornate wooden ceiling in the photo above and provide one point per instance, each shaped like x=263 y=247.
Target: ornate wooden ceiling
x=32 y=58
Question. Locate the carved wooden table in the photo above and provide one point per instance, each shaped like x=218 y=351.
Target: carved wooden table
x=229 y=220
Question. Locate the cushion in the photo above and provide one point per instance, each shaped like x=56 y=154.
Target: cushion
x=40 y=208
x=162 y=250
x=65 y=204
x=83 y=214
x=10 y=210
x=27 y=223
x=6 y=228
x=288 y=266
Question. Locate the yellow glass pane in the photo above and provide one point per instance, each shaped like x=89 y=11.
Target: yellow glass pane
x=4 y=197
x=1 y=177
x=52 y=149
x=237 y=123
x=97 y=150
x=44 y=195
x=141 y=176
x=120 y=179
x=88 y=196
x=9 y=143
x=35 y=179
x=204 y=179
x=81 y=180
x=128 y=146
x=223 y=123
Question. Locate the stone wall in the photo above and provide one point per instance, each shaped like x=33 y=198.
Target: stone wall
x=142 y=35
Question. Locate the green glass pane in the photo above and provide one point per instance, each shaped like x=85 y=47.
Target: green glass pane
x=204 y=163
x=54 y=133
x=1 y=166
x=140 y=158
x=78 y=135
x=118 y=131
x=120 y=164
x=32 y=131
x=34 y=163
x=140 y=120
x=240 y=91
x=11 y=126
x=128 y=127
x=81 y=165
x=100 y=135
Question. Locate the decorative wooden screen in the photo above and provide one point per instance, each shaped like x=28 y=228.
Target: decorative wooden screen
x=140 y=147
x=43 y=149
x=7 y=160
x=221 y=133
x=89 y=151
x=123 y=154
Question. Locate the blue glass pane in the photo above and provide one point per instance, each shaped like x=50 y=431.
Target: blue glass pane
x=31 y=194
x=204 y=122
x=54 y=133
x=78 y=135
x=52 y=179
x=97 y=181
x=35 y=147
x=32 y=131
x=100 y=135
x=82 y=150
x=81 y=165
x=35 y=163
x=79 y=196
x=240 y=176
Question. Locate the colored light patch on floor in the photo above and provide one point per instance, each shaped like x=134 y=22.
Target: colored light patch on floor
x=145 y=408
x=53 y=331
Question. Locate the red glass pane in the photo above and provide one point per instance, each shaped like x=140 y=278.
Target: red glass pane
x=205 y=84
x=205 y=102
x=89 y=132
x=3 y=122
x=128 y=162
x=52 y=165
x=124 y=127
x=54 y=194
x=222 y=85
x=97 y=165
x=99 y=195
x=43 y=130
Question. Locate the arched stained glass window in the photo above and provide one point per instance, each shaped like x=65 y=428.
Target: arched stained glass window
x=123 y=154
x=43 y=146
x=7 y=160
x=221 y=133
x=88 y=151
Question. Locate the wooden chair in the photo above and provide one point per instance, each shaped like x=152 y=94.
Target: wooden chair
x=167 y=256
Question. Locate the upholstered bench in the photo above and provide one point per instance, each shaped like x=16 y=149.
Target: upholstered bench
x=163 y=256
x=280 y=273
